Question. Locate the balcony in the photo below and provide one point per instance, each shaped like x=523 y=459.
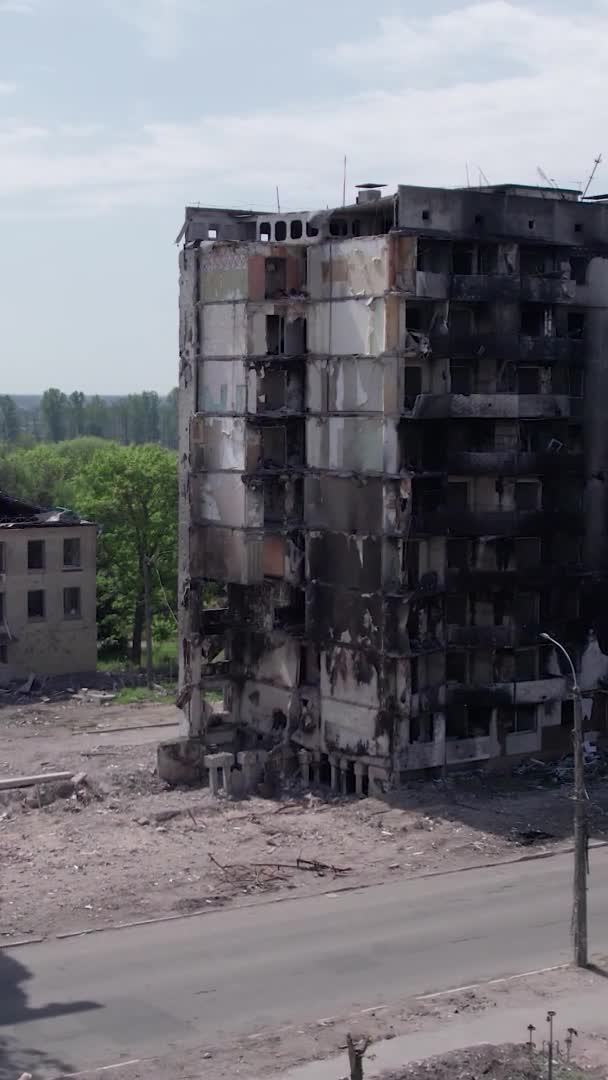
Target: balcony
x=485 y=287
x=443 y=521
x=499 y=406
x=465 y=346
x=548 y=350
x=511 y=463
x=547 y=289
x=515 y=347
x=533 y=692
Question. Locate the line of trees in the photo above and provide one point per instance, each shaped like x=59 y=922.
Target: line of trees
x=131 y=493
x=56 y=417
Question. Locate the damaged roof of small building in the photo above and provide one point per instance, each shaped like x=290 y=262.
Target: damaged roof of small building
x=14 y=513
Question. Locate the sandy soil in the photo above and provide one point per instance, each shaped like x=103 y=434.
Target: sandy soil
x=124 y=847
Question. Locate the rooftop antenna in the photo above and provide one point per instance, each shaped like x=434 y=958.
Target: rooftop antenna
x=597 y=161
x=278 y=201
x=549 y=182
x=482 y=176
x=344 y=184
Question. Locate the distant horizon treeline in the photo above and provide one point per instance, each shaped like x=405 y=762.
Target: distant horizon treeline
x=56 y=416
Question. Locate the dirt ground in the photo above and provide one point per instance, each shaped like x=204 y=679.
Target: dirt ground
x=124 y=847
x=495 y=1062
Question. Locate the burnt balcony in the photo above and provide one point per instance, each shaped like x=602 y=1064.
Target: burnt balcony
x=485 y=287
x=464 y=346
x=447 y=522
x=499 y=406
x=547 y=289
x=468 y=579
x=493 y=637
x=549 y=350
x=515 y=347
x=528 y=692
x=511 y=463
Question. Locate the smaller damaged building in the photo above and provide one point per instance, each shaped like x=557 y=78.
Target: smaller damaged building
x=394 y=463
x=48 y=620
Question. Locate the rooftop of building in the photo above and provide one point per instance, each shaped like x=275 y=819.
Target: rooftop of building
x=17 y=514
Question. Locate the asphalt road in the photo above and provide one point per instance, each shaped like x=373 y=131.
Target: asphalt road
x=133 y=993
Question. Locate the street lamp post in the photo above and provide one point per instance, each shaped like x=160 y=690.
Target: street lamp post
x=579 y=905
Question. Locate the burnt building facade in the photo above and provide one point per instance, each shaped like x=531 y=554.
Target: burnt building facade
x=393 y=470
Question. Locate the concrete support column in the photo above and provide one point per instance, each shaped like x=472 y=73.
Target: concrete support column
x=343 y=772
x=316 y=767
x=360 y=771
x=335 y=773
x=215 y=762
x=304 y=760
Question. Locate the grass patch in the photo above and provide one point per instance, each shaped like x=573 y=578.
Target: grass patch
x=129 y=695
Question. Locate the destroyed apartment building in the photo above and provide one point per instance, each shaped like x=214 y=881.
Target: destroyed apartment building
x=48 y=623
x=394 y=469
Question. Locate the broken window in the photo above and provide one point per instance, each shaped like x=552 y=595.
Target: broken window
x=35 y=604
x=274 y=447
x=575 y=326
x=456 y=610
x=528 y=380
x=527 y=552
x=71 y=603
x=311 y=230
x=280 y=231
x=414 y=674
x=414 y=317
x=526 y=665
x=487 y=258
x=575 y=382
x=532 y=320
x=295 y=337
x=265 y=232
x=1 y=607
x=295 y=229
x=457 y=495
x=526 y=606
x=2 y=558
x=412 y=383
x=517 y=721
x=431 y=256
x=578 y=269
x=412 y=558
x=578 y=226
x=338 y=227
x=272 y=387
x=71 y=553
x=355 y=227
x=463 y=256
x=467 y=722
x=276 y=277
x=35 y=555
x=531 y=223
x=3 y=652
x=456 y=667
x=461 y=378
x=421 y=729
x=212 y=232
x=275 y=335
x=567 y=715
x=426 y=215
x=458 y=554
x=527 y=494
x=461 y=320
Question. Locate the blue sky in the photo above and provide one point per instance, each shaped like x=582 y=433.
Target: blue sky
x=116 y=113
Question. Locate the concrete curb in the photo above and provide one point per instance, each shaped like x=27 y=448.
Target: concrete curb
x=87 y=931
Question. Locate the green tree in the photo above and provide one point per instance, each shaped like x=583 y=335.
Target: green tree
x=54 y=410
x=131 y=492
x=168 y=420
x=96 y=417
x=9 y=419
x=77 y=413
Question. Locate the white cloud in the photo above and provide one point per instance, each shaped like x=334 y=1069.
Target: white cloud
x=16 y=7
x=8 y=88
x=545 y=107
x=159 y=22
